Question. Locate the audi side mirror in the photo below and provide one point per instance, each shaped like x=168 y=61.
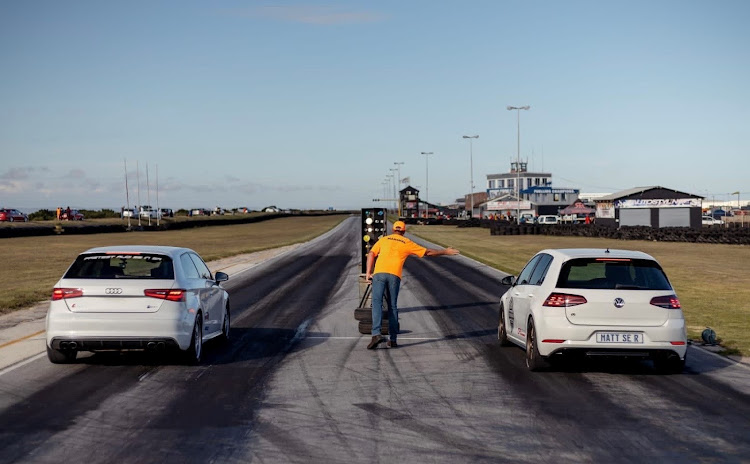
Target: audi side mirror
x=221 y=277
x=508 y=280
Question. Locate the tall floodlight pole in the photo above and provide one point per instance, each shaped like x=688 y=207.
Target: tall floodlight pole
x=148 y=196
x=127 y=193
x=427 y=182
x=138 y=178
x=394 y=173
x=471 y=170
x=518 y=159
x=158 y=211
x=398 y=193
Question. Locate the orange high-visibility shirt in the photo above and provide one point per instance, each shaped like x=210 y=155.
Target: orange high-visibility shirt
x=392 y=250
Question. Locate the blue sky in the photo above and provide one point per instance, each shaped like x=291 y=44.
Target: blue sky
x=308 y=104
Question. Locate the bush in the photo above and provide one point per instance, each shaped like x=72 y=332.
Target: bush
x=99 y=214
x=43 y=215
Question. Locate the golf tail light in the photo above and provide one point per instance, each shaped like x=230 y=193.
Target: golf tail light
x=563 y=300
x=667 y=301
x=166 y=294
x=65 y=293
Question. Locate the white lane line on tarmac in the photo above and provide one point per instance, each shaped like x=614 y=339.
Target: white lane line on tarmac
x=22 y=363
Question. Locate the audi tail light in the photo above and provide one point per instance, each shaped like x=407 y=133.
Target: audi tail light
x=166 y=294
x=66 y=293
x=667 y=301
x=563 y=300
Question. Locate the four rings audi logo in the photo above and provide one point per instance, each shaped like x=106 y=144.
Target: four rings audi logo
x=619 y=302
x=113 y=291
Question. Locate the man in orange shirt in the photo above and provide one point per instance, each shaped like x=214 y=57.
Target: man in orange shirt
x=391 y=251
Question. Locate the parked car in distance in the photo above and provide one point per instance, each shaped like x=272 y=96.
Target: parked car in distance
x=199 y=212
x=147 y=212
x=166 y=212
x=149 y=298
x=711 y=221
x=74 y=215
x=548 y=219
x=125 y=212
x=12 y=215
x=593 y=302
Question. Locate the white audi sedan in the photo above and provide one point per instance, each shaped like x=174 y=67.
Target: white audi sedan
x=593 y=302
x=151 y=298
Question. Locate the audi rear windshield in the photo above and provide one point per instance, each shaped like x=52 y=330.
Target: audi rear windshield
x=121 y=266
x=613 y=273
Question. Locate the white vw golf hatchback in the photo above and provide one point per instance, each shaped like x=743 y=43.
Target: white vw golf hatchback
x=593 y=302
x=136 y=298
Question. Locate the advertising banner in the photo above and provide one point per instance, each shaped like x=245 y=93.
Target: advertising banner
x=605 y=211
x=509 y=205
x=657 y=203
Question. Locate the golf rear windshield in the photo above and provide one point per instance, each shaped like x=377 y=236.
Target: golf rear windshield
x=121 y=266
x=612 y=273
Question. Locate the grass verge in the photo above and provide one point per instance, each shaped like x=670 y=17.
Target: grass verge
x=711 y=280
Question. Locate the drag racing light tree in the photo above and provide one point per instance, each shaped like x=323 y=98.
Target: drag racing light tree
x=373 y=228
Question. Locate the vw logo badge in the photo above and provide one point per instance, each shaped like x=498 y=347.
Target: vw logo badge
x=113 y=291
x=619 y=302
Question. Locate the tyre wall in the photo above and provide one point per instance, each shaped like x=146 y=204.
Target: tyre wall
x=726 y=235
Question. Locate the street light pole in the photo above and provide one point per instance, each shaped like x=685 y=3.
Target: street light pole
x=518 y=159
x=398 y=193
x=739 y=208
x=427 y=181
x=389 y=186
x=471 y=167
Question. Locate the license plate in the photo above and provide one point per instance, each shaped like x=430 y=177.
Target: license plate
x=619 y=337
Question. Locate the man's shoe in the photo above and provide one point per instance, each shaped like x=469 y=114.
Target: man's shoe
x=376 y=340
x=391 y=344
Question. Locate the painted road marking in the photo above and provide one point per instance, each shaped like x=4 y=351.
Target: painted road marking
x=21 y=339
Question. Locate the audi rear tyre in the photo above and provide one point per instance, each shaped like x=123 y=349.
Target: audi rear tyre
x=194 y=351
x=225 y=326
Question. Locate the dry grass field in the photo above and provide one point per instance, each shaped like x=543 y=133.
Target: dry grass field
x=712 y=281
x=32 y=265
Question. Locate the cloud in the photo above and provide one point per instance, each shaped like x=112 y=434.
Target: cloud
x=77 y=174
x=319 y=15
x=23 y=173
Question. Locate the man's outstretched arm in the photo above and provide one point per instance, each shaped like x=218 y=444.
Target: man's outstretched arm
x=444 y=251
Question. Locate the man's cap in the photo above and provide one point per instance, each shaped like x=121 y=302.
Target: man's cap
x=399 y=225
